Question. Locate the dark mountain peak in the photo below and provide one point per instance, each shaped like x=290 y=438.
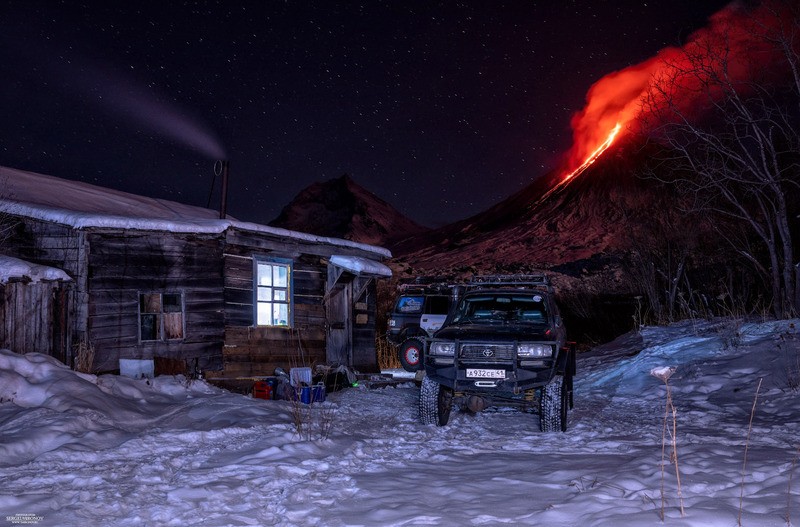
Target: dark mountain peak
x=341 y=208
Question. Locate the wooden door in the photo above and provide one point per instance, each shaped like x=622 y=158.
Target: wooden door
x=34 y=318
x=339 y=342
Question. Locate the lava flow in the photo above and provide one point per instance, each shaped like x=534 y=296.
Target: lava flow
x=597 y=153
x=586 y=164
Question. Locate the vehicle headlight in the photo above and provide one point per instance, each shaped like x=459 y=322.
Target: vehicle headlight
x=443 y=348
x=535 y=350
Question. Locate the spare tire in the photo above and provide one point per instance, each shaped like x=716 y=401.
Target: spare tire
x=410 y=354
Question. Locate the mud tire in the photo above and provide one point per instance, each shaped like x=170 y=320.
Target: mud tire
x=553 y=406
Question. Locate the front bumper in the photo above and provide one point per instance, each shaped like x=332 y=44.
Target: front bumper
x=517 y=378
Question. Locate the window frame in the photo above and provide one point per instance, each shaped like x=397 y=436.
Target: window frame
x=288 y=264
x=161 y=316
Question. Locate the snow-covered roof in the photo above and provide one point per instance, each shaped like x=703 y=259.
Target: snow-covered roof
x=83 y=205
x=15 y=269
x=361 y=266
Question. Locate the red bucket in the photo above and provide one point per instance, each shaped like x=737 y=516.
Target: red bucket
x=262 y=390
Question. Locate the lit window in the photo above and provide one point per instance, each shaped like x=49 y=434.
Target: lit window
x=273 y=295
x=160 y=316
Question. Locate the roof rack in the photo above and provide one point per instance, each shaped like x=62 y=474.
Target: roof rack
x=424 y=285
x=531 y=281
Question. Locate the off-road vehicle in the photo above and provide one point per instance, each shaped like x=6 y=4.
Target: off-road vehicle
x=419 y=311
x=503 y=344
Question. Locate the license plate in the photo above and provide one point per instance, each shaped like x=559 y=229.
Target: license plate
x=481 y=373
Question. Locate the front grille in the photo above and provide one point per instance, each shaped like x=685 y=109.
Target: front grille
x=487 y=352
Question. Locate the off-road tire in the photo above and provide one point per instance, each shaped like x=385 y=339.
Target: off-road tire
x=435 y=403
x=553 y=406
x=444 y=405
x=410 y=354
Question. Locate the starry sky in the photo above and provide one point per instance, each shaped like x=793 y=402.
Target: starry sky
x=440 y=108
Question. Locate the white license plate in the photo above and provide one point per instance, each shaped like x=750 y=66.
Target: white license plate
x=481 y=373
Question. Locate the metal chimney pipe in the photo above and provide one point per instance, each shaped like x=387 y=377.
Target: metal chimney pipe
x=223 y=204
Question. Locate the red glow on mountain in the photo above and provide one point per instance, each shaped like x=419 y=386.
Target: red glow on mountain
x=622 y=101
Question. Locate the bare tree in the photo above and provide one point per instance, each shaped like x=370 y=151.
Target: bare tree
x=728 y=111
x=7 y=222
x=661 y=249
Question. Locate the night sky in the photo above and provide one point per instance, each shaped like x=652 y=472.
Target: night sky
x=440 y=108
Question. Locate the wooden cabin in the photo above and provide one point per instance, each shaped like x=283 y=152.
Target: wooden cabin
x=167 y=282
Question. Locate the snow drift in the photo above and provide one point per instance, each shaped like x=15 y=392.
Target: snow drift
x=81 y=450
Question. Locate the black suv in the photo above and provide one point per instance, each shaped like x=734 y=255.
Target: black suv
x=420 y=310
x=504 y=344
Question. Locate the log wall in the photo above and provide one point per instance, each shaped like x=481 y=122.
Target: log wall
x=124 y=264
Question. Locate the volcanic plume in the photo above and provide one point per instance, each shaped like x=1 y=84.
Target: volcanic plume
x=728 y=50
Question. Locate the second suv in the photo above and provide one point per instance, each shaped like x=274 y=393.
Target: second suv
x=418 y=313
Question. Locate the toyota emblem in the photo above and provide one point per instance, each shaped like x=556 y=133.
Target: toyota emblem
x=488 y=352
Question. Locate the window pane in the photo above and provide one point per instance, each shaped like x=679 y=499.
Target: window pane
x=173 y=326
x=264 y=314
x=437 y=305
x=150 y=328
x=281 y=313
x=281 y=276
x=264 y=294
x=273 y=297
x=150 y=303
x=172 y=303
x=264 y=274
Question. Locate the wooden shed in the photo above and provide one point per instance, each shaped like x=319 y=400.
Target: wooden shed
x=162 y=281
x=33 y=308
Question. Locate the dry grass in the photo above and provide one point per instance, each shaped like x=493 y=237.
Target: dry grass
x=387 y=354
x=84 y=356
x=789 y=491
x=746 y=446
x=312 y=421
x=670 y=429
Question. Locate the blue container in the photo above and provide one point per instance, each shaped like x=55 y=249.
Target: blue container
x=305 y=395
x=318 y=393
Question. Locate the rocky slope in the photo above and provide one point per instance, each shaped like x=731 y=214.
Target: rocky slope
x=596 y=217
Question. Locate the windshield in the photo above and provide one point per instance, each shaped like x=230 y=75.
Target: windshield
x=501 y=308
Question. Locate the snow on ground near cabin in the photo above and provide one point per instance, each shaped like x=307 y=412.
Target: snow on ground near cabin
x=82 y=450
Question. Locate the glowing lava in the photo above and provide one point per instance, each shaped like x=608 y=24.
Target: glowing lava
x=597 y=153
x=586 y=164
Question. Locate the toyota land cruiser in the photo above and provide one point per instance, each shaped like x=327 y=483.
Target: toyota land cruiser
x=504 y=344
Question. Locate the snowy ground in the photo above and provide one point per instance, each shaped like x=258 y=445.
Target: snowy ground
x=78 y=450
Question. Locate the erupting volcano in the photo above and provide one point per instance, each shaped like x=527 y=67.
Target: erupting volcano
x=585 y=216
x=629 y=100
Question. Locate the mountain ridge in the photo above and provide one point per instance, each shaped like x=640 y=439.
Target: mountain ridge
x=341 y=208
